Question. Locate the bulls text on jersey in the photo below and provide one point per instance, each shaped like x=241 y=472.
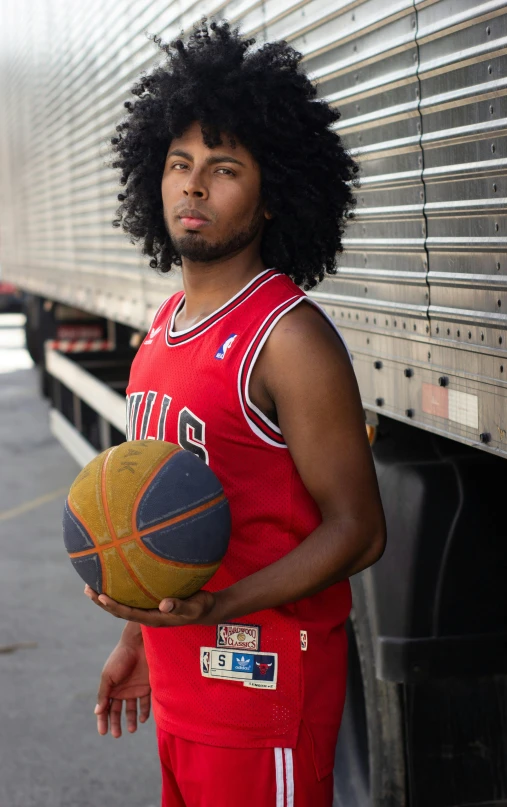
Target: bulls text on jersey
x=191 y=429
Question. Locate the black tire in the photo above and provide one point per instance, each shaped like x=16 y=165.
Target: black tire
x=370 y=757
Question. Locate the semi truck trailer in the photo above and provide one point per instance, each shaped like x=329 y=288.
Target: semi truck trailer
x=420 y=295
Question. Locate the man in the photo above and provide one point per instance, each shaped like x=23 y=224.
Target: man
x=233 y=172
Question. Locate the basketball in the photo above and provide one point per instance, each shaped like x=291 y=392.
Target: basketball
x=146 y=520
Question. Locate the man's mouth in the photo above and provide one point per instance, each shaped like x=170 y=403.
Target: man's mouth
x=192 y=219
x=192 y=223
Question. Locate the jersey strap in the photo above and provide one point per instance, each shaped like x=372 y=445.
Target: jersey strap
x=261 y=425
x=257 y=420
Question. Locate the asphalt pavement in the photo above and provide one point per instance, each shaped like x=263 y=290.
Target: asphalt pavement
x=53 y=640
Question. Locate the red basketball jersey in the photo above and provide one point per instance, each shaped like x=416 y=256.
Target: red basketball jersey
x=248 y=683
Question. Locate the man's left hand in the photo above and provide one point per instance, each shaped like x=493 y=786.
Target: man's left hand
x=171 y=613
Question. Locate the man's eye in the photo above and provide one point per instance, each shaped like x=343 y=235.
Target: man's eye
x=179 y=165
x=226 y=171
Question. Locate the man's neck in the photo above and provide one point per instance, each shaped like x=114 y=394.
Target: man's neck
x=209 y=286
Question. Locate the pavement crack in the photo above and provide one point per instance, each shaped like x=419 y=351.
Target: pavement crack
x=11 y=648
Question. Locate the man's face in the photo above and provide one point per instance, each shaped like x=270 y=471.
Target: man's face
x=212 y=204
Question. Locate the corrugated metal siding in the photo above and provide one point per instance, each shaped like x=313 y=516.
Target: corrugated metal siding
x=463 y=75
x=421 y=88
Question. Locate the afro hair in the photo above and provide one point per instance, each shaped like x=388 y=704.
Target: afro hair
x=263 y=99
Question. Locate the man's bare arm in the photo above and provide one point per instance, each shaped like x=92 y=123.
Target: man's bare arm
x=306 y=372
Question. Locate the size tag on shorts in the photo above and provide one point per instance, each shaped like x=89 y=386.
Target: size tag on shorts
x=259 y=670
x=243 y=637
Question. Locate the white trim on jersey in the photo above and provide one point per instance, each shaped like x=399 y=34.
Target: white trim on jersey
x=284 y=777
x=261 y=344
x=289 y=776
x=178 y=334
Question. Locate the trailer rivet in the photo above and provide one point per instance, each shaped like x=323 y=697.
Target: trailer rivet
x=379 y=401
x=408 y=372
x=485 y=437
x=409 y=413
x=377 y=365
x=443 y=381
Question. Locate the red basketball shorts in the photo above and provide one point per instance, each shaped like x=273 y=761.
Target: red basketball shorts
x=197 y=775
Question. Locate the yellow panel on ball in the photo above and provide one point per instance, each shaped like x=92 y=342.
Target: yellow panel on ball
x=126 y=473
x=119 y=583
x=85 y=498
x=146 y=520
x=153 y=573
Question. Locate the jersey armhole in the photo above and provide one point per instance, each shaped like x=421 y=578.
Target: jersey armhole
x=258 y=422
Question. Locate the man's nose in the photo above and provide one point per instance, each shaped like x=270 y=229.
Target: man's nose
x=195 y=186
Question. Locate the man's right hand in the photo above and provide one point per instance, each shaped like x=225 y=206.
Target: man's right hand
x=124 y=680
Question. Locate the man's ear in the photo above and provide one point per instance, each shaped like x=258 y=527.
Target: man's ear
x=268 y=215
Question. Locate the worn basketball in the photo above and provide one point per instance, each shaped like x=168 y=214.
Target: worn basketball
x=146 y=520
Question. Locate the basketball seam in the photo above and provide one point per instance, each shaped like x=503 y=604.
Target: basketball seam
x=135 y=535
x=140 y=494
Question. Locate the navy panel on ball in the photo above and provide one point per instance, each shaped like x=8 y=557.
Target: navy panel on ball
x=184 y=482
x=75 y=536
x=89 y=568
x=184 y=543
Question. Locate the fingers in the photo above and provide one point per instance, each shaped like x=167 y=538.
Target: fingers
x=194 y=609
x=144 y=708
x=94 y=597
x=102 y=718
x=109 y=714
x=170 y=612
x=131 y=712
x=115 y=717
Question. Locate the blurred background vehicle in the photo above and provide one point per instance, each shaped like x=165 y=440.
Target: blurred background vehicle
x=420 y=296
x=11 y=298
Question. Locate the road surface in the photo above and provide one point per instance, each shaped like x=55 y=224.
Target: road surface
x=53 y=640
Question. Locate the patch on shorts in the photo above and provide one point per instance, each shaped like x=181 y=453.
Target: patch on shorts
x=259 y=670
x=244 y=637
x=304 y=639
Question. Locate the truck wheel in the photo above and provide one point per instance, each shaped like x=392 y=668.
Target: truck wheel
x=370 y=759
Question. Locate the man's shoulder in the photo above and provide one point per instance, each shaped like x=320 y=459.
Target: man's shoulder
x=304 y=328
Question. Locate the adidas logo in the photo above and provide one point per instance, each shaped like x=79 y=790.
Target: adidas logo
x=152 y=335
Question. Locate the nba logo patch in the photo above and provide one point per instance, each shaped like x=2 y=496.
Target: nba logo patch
x=304 y=639
x=222 y=350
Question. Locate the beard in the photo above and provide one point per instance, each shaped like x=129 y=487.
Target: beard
x=195 y=248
